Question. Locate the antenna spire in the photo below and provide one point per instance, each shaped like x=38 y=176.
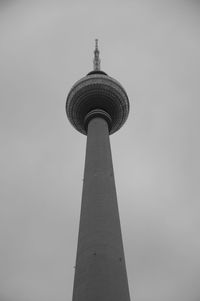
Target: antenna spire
x=96 y=61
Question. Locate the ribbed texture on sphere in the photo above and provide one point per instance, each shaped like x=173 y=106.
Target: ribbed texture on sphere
x=97 y=91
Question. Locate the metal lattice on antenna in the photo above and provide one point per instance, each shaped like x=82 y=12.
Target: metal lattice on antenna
x=96 y=61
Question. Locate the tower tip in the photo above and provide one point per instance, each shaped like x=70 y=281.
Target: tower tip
x=96 y=61
x=96 y=43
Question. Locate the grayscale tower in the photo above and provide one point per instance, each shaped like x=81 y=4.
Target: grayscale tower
x=97 y=106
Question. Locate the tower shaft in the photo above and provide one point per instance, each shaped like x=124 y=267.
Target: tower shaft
x=100 y=273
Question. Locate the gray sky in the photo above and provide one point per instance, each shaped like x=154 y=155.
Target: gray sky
x=152 y=48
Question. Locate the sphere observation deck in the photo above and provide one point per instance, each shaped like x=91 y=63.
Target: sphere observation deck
x=97 y=95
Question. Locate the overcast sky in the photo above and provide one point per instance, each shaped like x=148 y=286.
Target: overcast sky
x=152 y=48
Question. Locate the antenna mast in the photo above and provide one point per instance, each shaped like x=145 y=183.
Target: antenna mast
x=96 y=61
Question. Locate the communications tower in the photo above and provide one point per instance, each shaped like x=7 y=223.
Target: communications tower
x=97 y=106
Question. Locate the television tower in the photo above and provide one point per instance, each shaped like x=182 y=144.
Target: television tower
x=97 y=106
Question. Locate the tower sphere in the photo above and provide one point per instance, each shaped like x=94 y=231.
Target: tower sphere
x=97 y=94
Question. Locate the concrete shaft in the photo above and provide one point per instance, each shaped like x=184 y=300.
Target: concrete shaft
x=100 y=273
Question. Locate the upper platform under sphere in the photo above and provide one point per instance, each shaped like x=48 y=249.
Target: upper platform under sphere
x=97 y=94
